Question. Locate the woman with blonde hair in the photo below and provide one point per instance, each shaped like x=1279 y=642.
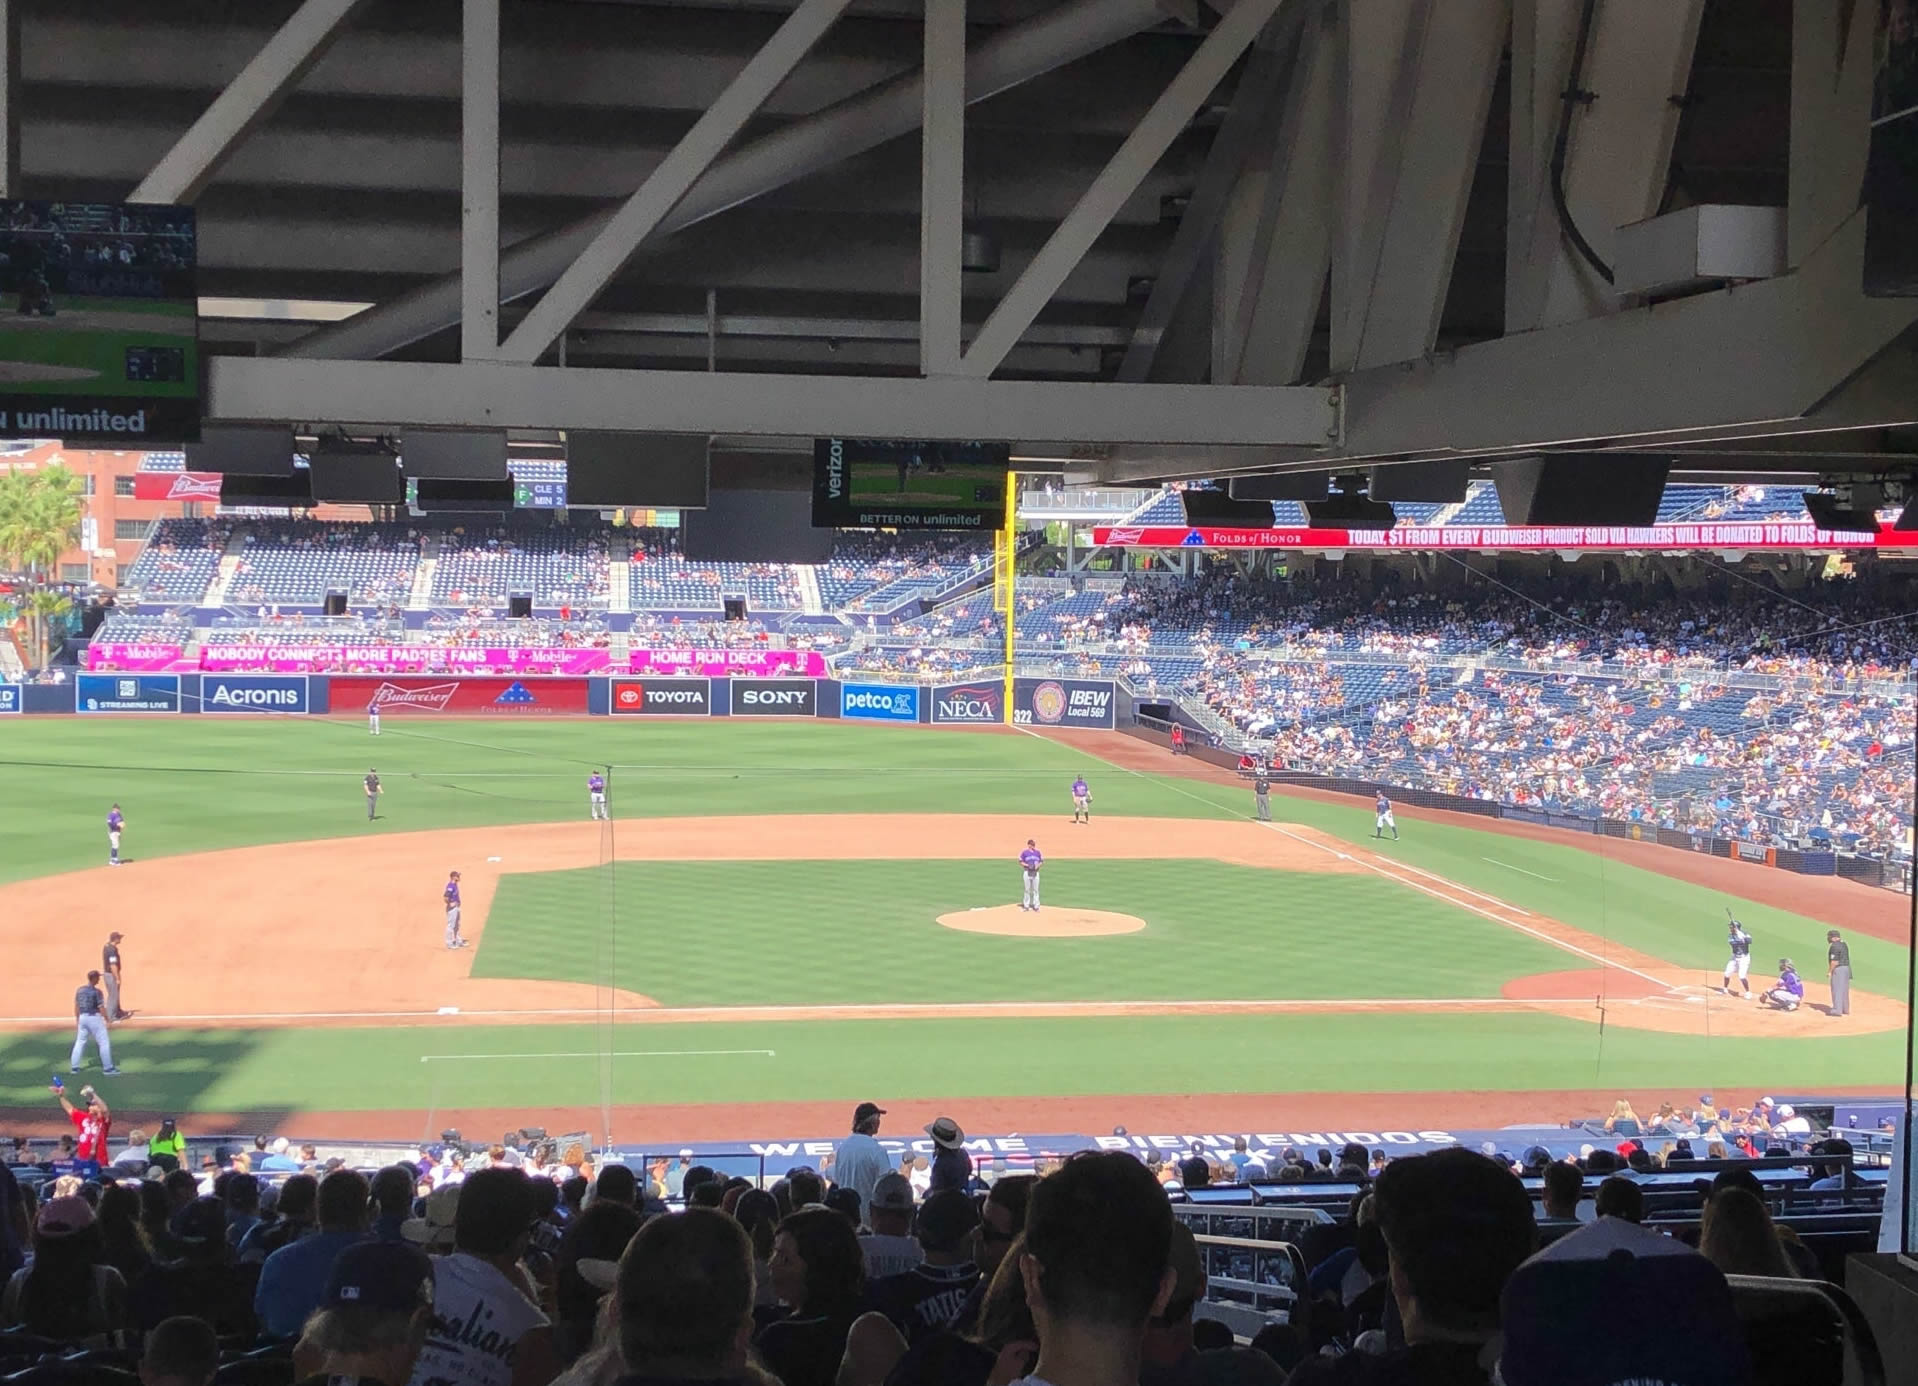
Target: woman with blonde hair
x=1624 y=1121
x=1737 y=1235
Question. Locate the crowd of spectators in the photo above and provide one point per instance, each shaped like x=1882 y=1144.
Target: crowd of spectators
x=524 y=1264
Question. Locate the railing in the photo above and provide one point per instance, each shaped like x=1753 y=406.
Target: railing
x=1121 y=500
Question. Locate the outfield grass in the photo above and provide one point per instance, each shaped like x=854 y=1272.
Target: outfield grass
x=853 y=932
x=833 y=932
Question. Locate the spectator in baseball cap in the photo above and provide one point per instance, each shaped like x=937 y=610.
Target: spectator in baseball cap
x=890 y=1247
x=182 y=1351
x=859 y=1162
x=1617 y=1302
x=373 y=1318
x=1456 y=1225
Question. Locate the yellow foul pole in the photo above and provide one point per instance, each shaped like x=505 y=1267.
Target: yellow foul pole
x=1005 y=549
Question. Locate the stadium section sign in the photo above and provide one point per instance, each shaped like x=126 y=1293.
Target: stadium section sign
x=253 y=693
x=662 y=697
x=99 y=323
x=968 y=704
x=873 y=702
x=412 y=695
x=774 y=697
x=1518 y=538
x=1064 y=703
x=126 y=693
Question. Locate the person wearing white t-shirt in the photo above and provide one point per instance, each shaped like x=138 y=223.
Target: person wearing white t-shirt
x=1096 y=1269
x=487 y=1331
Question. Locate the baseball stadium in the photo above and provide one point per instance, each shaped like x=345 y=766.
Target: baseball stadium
x=1314 y=701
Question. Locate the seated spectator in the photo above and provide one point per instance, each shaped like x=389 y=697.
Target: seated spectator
x=293 y=1278
x=1615 y=1302
x=1737 y=1235
x=274 y=1158
x=929 y=1296
x=434 y=1229
x=1194 y=1173
x=391 y=1196
x=181 y=1351
x=616 y=1184
x=1619 y=1197
x=134 y=1157
x=122 y=1244
x=685 y=1298
x=758 y=1213
x=155 y=1211
x=819 y=1274
x=804 y=1188
x=1623 y=1121
x=373 y=1317
x=1456 y=1226
x=1171 y=1354
x=841 y=1200
x=963 y=1355
x=68 y=1292
x=599 y=1234
x=1096 y=1268
x=292 y=1219
x=242 y=1194
x=890 y=1248
x=205 y=1280
x=481 y=1282
x=1564 y=1187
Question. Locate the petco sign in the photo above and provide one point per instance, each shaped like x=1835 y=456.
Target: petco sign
x=969 y=703
x=877 y=703
x=1063 y=703
x=662 y=697
x=255 y=693
x=773 y=697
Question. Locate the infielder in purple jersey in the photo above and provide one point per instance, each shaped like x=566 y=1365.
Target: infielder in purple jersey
x=451 y=895
x=1030 y=859
x=596 y=794
x=115 y=825
x=1081 y=801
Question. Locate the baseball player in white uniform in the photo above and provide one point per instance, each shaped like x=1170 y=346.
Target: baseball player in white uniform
x=1739 y=964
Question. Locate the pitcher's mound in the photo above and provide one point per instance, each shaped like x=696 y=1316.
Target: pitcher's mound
x=1049 y=922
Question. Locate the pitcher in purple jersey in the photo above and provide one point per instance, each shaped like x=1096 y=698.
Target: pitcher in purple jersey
x=1030 y=860
x=115 y=825
x=451 y=895
x=596 y=794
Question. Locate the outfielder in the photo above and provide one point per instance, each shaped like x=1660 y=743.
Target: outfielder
x=90 y=1023
x=1031 y=860
x=596 y=794
x=116 y=824
x=1081 y=801
x=1739 y=964
x=451 y=895
x=372 y=794
x=373 y=716
x=1384 y=819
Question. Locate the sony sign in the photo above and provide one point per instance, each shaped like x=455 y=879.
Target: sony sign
x=774 y=697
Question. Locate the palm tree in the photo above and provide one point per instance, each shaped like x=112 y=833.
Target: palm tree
x=39 y=521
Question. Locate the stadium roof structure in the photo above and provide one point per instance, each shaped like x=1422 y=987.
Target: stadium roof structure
x=1153 y=238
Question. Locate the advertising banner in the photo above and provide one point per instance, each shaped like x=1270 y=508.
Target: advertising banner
x=1063 y=703
x=969 y=704
x=720 y=664
x=1521 y=538
x=253 y=693
x=324 y=656
x=775 y=697
x=408 y=695
x=662 y=697
x=178 y=486
x=874 y=702
x=126 y=693
x=113 y=655
x=11 y=698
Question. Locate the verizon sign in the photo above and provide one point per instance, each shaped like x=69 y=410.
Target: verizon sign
x=775 y=697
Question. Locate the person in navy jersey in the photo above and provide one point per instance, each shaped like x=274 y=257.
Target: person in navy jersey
x=116 y=824
x=372 y=783
x=451 y=897
x=1030 y=861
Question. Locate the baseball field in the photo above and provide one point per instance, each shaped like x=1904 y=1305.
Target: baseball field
x=781 y=919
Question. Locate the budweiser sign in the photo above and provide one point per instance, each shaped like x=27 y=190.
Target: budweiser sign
x=177 y=486
x=433 y=697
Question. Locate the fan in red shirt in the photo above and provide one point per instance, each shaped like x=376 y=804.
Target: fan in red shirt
x=93 y=1121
